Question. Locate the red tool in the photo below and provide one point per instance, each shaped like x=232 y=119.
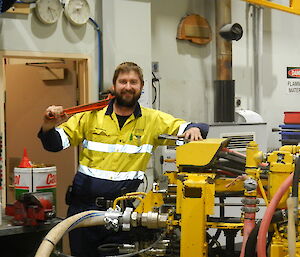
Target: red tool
x=31 y=208
x=87 y=107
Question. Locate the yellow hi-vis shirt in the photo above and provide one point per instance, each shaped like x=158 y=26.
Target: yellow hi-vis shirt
x=109 y=152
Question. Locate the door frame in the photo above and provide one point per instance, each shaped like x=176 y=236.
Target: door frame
x=84 y=82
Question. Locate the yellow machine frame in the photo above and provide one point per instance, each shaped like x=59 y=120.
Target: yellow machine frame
x=196 y=186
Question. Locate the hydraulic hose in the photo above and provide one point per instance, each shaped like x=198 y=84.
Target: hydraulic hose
x=291 y=227
x=261 y=245
x=250 y=250
x=292 y=204
x=83 y=219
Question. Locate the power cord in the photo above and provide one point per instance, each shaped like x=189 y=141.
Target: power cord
x=157 y=94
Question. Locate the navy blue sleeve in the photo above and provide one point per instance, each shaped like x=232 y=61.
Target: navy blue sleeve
x=202 y=126
x=51 y=140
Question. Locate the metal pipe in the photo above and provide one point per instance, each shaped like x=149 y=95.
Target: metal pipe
x=257 y=57
x=224 y=47
x=224 y=85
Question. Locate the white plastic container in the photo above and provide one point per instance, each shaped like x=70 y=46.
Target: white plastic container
x=35 y=180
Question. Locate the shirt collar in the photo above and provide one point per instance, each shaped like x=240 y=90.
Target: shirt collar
x=110 y=108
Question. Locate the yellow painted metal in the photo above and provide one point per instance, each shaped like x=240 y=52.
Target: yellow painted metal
x=294 y=5
x=189 y=180
x=197 y=202
x=281 y=165
x=254 y=157
x=225 y=225
x=198 y=153
x=125 y=197
x=195 y=193
x=290 y=148
x=172 y=177
x=279 y=248
x=150 y=201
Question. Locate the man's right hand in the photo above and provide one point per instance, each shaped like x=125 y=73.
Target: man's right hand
x=53 y=116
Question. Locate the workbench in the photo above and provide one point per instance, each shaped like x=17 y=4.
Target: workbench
x=23 y=241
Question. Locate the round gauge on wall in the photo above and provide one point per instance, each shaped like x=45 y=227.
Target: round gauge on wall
x=48 y=11
x=77 y=11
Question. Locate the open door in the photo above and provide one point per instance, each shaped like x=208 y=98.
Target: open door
x=30 y=89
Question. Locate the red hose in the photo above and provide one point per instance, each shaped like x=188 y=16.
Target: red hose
x=261 y=239
x=249 y=224
x=232 y=151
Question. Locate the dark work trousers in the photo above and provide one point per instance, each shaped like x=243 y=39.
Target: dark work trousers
x=84 y=241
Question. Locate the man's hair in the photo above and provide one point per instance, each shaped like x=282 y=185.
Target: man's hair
x=126 y=67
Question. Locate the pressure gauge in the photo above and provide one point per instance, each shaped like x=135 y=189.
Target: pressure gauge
x=77 y=11
x=48 y=11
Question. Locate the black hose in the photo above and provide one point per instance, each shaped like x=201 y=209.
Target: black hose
x=232 y=157
x=296 y=177
x=250 y=249
x=235 y=171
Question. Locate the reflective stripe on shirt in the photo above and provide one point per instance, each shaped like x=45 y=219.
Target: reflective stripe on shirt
x=117 y=148
x=111 y=175
x=64 y=138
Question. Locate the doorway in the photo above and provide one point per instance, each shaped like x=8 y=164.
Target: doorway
x=32 y=82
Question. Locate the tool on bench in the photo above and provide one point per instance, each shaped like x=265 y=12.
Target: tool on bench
x=31 y=208
x=85 y=107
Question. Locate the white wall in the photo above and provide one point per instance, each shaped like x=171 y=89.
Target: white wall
x=146 y=31
x=20 y=32
x=127 y=37
x=188 y=70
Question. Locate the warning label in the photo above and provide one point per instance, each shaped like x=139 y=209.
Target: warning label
x=293 y=80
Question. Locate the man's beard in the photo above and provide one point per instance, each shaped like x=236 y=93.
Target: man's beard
x=126 y=102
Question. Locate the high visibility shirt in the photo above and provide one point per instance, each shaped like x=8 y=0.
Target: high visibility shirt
x=111 y=153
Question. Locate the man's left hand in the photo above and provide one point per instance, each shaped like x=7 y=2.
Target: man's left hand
x=193 y=134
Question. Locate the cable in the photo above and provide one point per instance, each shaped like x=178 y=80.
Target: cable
x=295 y=183
x=157 y=80
x=155 y=93
x=100 y=62
x=141 y=251
x=146 y=183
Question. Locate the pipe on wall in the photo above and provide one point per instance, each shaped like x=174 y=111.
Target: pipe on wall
x=223 y=85
x=224 y=47
x=257 y=57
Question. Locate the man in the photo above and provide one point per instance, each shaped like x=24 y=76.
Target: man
x=117 y=143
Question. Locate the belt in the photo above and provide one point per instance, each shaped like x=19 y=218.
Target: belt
x=99 y=201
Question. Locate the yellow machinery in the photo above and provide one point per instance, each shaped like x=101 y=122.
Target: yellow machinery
x=206 y=170
x=177 y=217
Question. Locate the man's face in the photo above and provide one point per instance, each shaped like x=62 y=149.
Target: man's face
x=128 y=89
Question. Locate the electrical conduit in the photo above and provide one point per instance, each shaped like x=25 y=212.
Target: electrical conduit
x=100 y=61
x=83 y=219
